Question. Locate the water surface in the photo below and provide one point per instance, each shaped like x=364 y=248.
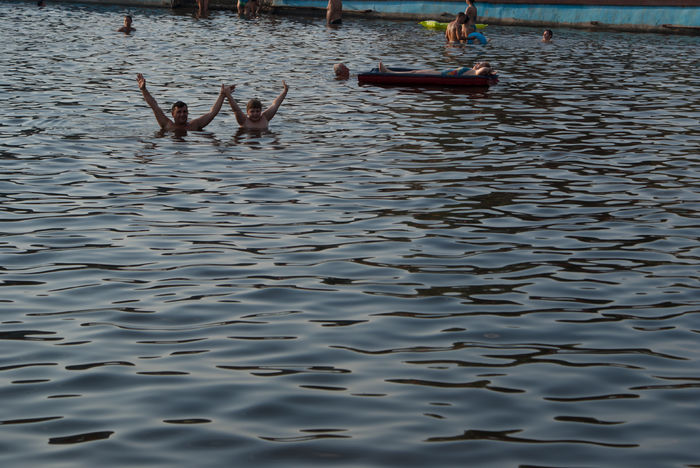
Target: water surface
x=388 y=277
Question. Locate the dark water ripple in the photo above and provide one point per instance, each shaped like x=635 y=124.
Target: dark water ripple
x=389 y=276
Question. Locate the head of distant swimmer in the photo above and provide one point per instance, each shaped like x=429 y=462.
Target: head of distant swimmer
x=254 y=109
x=547 y=34
x=127 y=20
x=341 y=71
x=179 y=113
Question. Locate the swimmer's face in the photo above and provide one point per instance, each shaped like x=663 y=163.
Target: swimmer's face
x=547 y=35
x=180 y=115
x=127 y=21
x=255 y=113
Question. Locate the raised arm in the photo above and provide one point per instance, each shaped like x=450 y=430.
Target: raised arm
x=163 y=121
x=272 y=110
x=240 y=115
x=201 y=122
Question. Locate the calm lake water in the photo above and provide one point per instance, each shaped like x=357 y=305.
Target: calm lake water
x=388 y=277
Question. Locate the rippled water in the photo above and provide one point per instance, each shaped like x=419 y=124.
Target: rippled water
x=389 y=277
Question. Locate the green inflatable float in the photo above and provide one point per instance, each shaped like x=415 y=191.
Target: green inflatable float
x=430 y=24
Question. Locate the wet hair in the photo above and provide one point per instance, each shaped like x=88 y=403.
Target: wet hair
x=340 y=69
x=177 y=105
x=460 y=14
x=253 y=104
x=128 y=16
x=549 y=31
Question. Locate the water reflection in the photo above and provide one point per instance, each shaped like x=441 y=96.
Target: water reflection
x=80 y=438
x=506 y=436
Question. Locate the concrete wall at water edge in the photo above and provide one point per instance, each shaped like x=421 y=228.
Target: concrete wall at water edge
x=665 y=16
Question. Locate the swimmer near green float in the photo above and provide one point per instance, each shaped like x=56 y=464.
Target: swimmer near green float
x=438 y=26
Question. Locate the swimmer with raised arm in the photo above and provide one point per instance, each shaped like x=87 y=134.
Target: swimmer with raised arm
x=179 y=110
x=479 y=69
x=255 y=118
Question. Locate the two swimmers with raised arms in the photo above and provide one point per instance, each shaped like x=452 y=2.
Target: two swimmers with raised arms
x=253 y=119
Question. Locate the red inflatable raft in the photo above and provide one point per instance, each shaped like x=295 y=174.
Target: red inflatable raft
x=374 y=76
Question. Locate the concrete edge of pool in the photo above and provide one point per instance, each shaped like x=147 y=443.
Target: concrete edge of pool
x=670 y=17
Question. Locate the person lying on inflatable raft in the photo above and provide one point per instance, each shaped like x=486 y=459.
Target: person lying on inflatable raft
x=479 y=69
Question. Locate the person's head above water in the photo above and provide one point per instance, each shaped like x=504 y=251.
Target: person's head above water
x=127 y=25
x=254 y=109
x=179 y=112
x=341 y=71
x=547 y=35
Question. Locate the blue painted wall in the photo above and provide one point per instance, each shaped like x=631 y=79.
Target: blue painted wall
x=650 y=16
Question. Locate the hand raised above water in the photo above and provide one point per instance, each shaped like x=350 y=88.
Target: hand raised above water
x=141 y=80
x=227 y=90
